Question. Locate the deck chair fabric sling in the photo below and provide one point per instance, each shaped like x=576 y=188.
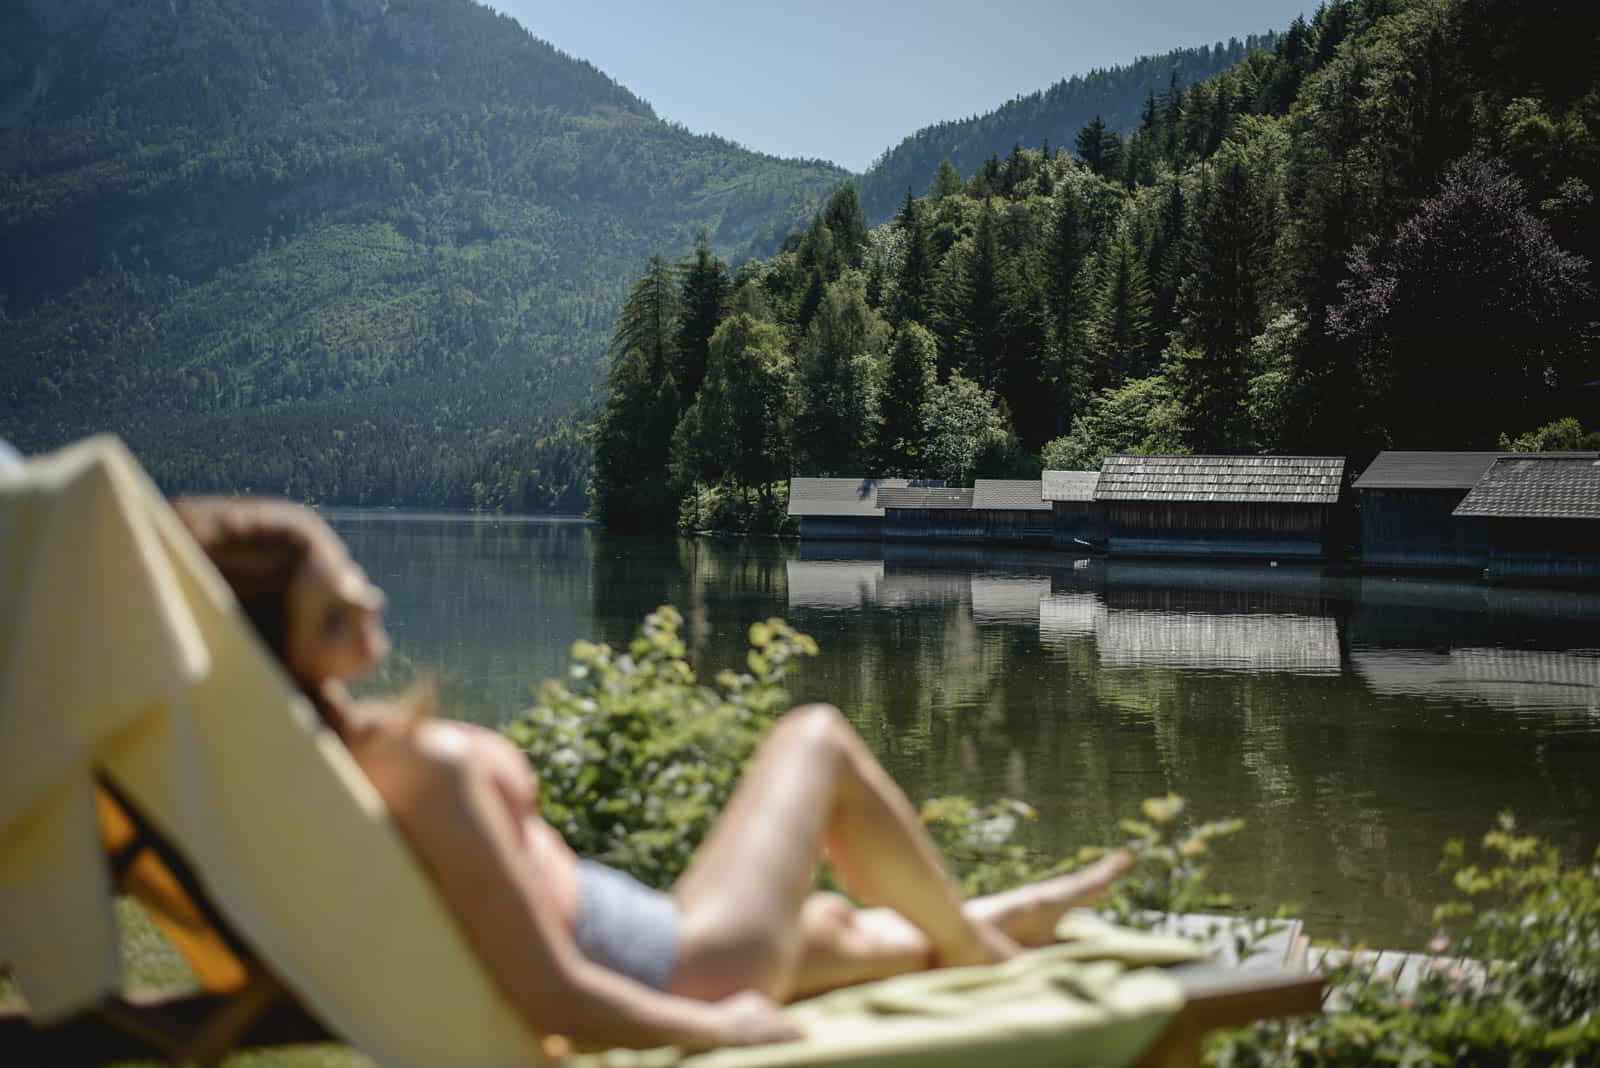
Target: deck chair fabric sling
x=123 y=655
x=185 y=722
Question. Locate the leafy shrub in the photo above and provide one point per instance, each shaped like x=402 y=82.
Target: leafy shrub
x=1171 y=863
x=731 y=510
x=637 y=756
x=1532 y=924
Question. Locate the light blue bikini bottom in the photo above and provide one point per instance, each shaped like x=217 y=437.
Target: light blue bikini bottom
x=626 y=926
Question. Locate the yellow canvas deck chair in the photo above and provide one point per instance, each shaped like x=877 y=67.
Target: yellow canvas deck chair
x=124 y=659
x=140 y=719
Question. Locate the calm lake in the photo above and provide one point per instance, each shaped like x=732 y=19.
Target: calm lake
x=1355 y=721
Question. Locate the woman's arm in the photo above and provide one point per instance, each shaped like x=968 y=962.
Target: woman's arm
x=443 y=795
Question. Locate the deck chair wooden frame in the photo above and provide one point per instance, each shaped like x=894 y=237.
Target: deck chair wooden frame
x=242 y=1005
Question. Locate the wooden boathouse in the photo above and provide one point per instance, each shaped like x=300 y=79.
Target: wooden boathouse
x=839 y=507
x=1077 y=520
x=1408 y=500
x=928 y=513
x=1242 y=506
x=1543 y=516
x=1012 y=511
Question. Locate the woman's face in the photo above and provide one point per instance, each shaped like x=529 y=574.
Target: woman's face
x=335 y=616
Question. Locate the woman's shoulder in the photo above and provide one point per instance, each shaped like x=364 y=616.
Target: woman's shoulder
x=408 y=753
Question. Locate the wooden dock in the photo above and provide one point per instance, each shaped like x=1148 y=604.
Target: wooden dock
x=1284 y=943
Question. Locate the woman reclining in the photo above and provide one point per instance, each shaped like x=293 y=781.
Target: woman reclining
x=585 y=952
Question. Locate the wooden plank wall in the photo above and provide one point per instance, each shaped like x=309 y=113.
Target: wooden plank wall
x=1213 y=528
x=1014 y=526
x=1544 y=550
x=1414 y=528
x=1076 y=522
x=847 y=527
x=932 y=524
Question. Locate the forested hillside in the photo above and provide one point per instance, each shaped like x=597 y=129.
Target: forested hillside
x=356 y=251
x=1383 y=233
x=1119 y=97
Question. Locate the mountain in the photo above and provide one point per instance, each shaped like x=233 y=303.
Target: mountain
x=354 y=251
x=1054 y=115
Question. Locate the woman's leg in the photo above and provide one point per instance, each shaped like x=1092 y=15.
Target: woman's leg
x=842 y=945
x=814 y=787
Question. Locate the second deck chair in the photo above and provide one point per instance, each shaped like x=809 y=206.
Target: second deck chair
x=354 y=931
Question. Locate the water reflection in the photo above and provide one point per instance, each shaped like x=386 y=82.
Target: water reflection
x=1356 y=722
x=1565 y=685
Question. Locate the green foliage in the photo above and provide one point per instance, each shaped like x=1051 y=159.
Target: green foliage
x=967 y=432
x=1115 y=93
x=1172 y=864
x=838 y=376
x=636 y=755
x=1140 y=416
x=977 y=842
x=723 y=509
x=1529 y=919
x=738 y=429
x=1562 y=435
x=909 y=380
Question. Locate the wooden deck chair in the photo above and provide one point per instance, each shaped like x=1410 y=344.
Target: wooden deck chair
x=240 y=1004
x=302 y=861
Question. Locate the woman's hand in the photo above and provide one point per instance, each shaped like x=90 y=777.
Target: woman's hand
x=752 y=1019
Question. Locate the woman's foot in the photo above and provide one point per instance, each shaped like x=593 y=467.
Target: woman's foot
x=1028 y=914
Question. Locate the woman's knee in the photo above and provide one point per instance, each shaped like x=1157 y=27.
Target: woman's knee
x=817 y=726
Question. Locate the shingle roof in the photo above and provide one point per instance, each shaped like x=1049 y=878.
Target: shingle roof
x=838 y=496
x=1537 y=487
x=1435 y=470
x=1272 y=479
x=1014 y=494
x=1070 y=485
x=924 y=498
x=1426 y=470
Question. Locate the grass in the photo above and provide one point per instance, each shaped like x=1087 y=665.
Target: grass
x=151 y=964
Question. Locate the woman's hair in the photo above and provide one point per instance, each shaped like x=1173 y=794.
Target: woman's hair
x=259 y=545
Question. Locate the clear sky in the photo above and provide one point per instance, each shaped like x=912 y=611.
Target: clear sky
x=845 y=80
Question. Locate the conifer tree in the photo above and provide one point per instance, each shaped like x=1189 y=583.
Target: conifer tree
x=910 y=375
x=946 y=181
x=1100 y=148
x=844 y=219
x=1120 y=332
x=971 y=319
x=916 y=265
x=836 y=374
x=1021 y=361
x=703 y=295
x=633 y=435
x=648 y=320
x=1221 y=303
x=1168 y=256
x=1069 y=296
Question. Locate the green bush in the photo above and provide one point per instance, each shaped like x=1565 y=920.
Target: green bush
x=636 y=755
x=1528 y=920
x=727 y=509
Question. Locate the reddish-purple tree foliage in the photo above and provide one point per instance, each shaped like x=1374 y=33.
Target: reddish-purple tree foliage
x=1469 y=316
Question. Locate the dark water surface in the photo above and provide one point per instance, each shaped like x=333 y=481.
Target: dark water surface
x=1355 y=721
